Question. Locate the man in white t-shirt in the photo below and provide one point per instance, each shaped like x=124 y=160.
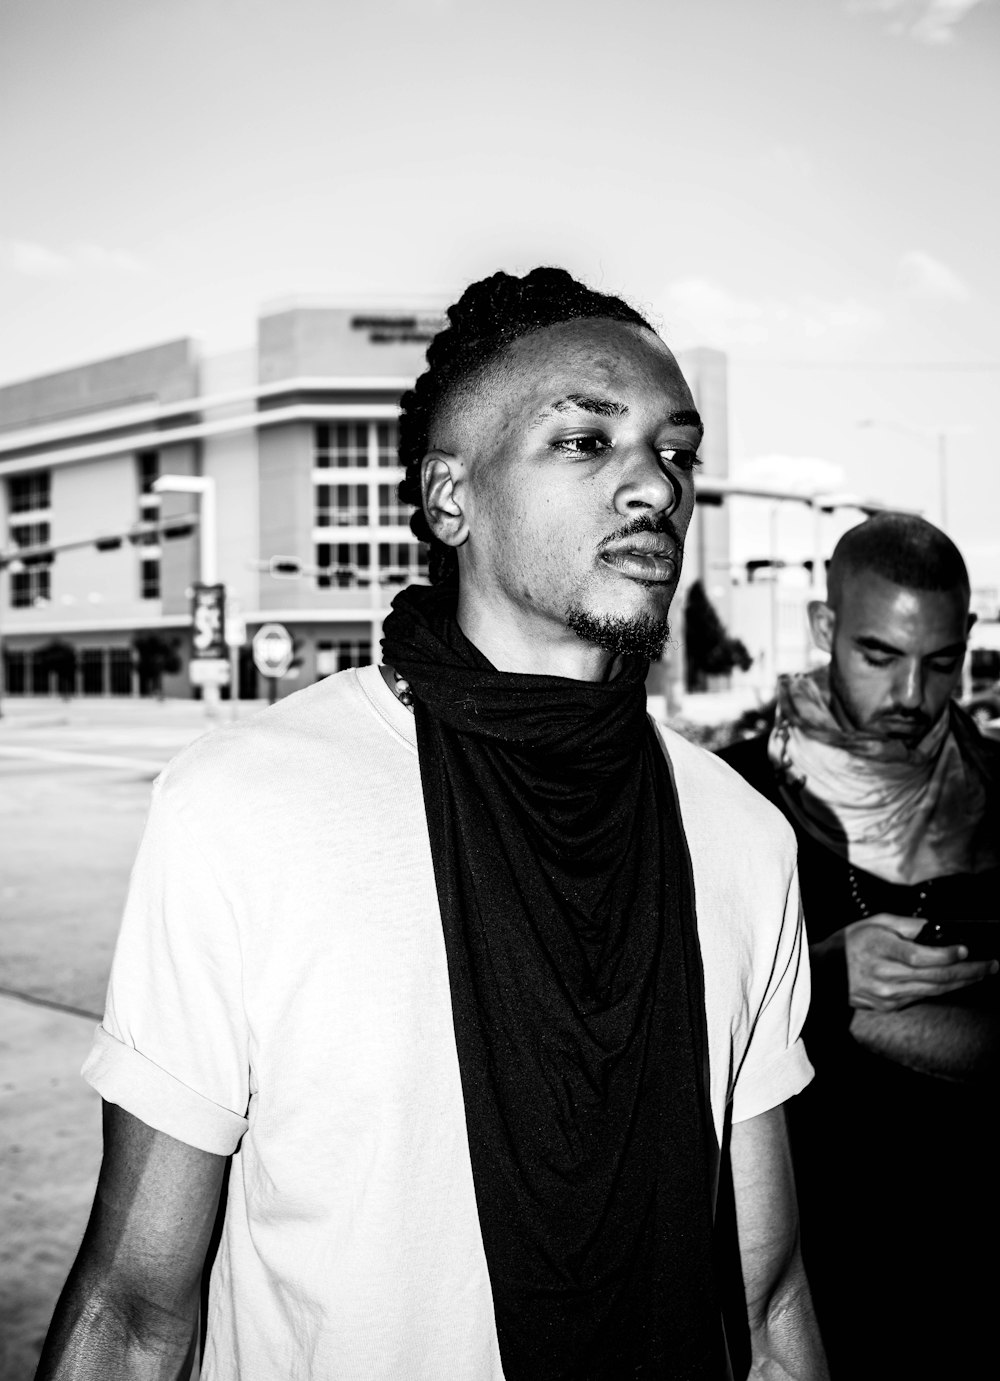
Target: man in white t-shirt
x=466 y=973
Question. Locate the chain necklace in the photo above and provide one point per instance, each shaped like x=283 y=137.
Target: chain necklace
x=863 y=908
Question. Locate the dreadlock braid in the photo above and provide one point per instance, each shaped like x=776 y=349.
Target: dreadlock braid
x=488 y=317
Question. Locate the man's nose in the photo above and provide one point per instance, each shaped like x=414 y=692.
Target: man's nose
x=910 y=686
x=647 y=484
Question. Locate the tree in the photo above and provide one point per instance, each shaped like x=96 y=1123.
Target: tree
x=155 y=658
x=58 y=659
x=708 y=648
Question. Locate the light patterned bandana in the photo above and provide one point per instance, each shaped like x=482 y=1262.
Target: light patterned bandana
x=904 y=814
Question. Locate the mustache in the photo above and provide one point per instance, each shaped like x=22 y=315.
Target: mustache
x=913 y=717
x=663 y=524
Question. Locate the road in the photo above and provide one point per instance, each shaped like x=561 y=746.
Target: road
x=74 y=789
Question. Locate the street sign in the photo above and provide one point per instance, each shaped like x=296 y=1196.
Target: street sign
x=272 y=649
x=208 y=617
x=208 y=671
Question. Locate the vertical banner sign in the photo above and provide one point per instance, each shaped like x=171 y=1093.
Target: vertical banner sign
x=208 y=618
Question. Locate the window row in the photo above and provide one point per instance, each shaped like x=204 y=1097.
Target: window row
x=93 y=671
x=33 y=584
x=346 y=564
x=338 y=445
x=331 y=657
x=347 y=505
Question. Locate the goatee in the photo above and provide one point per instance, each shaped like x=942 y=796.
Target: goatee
x=642 y=635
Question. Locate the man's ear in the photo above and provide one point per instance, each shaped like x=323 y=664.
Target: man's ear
x=822 y=622
x=442 y=483
x=969 y=625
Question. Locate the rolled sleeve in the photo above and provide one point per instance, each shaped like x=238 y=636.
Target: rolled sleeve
x=122 y=1075
x=775 y=1065
x=173 y=1046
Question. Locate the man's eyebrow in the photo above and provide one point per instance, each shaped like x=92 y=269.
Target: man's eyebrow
x=608 y=407
x=871 y=644
x=603 y=407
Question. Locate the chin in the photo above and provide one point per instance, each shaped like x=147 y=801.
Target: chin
x=624 y=635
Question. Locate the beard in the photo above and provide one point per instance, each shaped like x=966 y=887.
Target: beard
x=642 y=635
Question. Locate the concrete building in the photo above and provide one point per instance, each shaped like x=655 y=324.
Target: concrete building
x=297 y=437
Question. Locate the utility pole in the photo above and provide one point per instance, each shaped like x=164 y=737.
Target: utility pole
x=939 y=440
x=204 y=487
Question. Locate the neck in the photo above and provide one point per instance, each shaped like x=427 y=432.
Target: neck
x=535 y=652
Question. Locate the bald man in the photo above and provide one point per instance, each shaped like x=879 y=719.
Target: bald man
x=893 y=796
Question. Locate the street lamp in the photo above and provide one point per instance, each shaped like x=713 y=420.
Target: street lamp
x=208 y=556
x=204 y=487
x=939 y=439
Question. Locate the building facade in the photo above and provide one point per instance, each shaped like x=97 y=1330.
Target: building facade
x=296 y=438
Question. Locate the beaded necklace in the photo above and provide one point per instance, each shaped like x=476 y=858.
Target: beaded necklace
x=402 y=689
x=864 y=909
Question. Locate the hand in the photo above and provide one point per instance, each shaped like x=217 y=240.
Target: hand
x=887 y=971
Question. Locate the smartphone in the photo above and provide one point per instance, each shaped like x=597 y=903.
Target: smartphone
x=980 y=938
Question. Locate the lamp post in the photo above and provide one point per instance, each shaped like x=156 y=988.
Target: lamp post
x=939 y=440
x=208 y=553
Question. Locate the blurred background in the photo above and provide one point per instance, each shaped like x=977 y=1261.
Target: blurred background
x=228 y=230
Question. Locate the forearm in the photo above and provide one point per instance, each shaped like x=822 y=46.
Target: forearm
x=784 y=1334
x=946 y=1040
x=99 y=1333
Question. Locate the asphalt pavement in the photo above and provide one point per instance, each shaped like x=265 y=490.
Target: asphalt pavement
x=74 y=789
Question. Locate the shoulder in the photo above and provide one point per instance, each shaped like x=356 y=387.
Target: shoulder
x=717 y=801
x=749 y=758
x=333 y=723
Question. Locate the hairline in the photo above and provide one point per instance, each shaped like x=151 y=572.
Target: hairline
x=497 y=362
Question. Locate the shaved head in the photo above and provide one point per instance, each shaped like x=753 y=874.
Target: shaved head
x=901 y=548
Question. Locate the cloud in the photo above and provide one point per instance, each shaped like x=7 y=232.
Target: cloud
x=925 y=21
x=922 y=276
x=38 y=261
x=799 y=474
x=704 y=312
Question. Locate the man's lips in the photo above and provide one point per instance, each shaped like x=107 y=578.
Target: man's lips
x=646 y=556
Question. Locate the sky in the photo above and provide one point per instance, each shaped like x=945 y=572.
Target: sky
x=810 y=185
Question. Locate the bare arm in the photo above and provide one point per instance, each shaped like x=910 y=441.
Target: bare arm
x=922 y=1006
x=130 y=1304
x=952 y=1040
x=784 y=1335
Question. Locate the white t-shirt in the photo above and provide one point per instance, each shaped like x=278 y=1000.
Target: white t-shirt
x=280 y=990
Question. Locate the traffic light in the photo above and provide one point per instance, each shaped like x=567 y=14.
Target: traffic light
x=284 y=567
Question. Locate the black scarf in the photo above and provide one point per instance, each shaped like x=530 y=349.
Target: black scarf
x=577 y=994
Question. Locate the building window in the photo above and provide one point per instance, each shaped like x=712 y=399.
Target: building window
x=391 y=511
x=29 y=494
x=92 y=671
x=25 y=493
x=150 y=582
x=333 y=657
x=120 y=663
x=387 y=443
x=400 y=562
x=15 y=667
x=339 y=445
x=343 y=565
x=29 y=534
x=30 y=586
x=341 y=505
